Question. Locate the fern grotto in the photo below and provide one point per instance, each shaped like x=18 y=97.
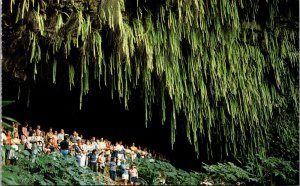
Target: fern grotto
x=224 y=72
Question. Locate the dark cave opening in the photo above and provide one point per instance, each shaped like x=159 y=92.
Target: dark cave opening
x=53 y=105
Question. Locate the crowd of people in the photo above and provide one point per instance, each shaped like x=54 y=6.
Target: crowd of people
x=101 y=155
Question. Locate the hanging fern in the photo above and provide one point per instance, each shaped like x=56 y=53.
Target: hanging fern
x=223 y=64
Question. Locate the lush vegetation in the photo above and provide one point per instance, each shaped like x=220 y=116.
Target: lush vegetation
x=53 y=170
x=227 y=69
x=272 y=170
x=221 y=65
x=264 y=171
x=153 y=172
x=49 y=170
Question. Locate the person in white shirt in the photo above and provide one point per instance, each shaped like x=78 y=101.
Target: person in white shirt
x=84 y=156
x=61 y=135
x=35 y=148
x=98 y=144
x=12 y=152
x=34 y=140
x=78 y=137
x=89 y=148
x=38 y=130
x=121 y=149
x=40 y=142
x=28 y=144
x=94 y=143
x=102 y=145
x=80 y=149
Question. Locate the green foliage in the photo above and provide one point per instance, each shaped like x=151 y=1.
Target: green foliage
x=6 y=119
x=222 y=64
x=47 y=171
x=281 y=161
x=264 y=170
x=7 y=126
x=283 y=133
x=6 y=102
x=229 y=173
x=261 y=170
x=271 y=169
x=153 y=171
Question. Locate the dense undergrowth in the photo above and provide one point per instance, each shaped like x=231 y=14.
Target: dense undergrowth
x=49 y=170
x=53 y=170
x=263 y=170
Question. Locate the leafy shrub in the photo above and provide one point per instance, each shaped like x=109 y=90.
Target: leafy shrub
x=47 y=171
x=271 y=169
x=152 y=171
x=229 y=173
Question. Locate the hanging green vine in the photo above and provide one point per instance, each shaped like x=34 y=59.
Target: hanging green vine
x=223 y=64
